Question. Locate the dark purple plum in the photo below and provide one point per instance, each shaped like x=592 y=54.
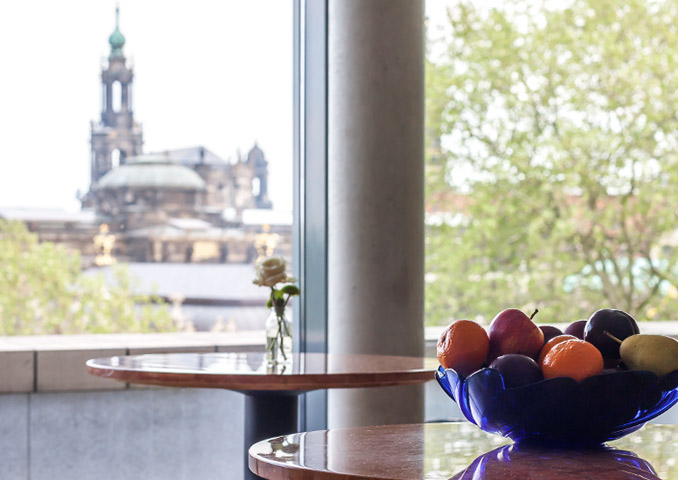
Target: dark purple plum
x=615 y=322
x=550 y=332
x=517 y=369
x=576 y=329
x=634 y=324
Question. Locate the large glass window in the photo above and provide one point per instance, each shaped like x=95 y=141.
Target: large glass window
x=551 y=159
x=144 y=213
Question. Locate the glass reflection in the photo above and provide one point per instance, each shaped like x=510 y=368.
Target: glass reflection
x=461 y=451
x=283 y=449
x=238 y=363
x=209 y=363
x=521 y=461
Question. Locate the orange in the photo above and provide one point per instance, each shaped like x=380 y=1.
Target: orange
x=463 y=346
x=572 y=358
x=551 y=343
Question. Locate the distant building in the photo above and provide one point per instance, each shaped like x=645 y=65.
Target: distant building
x=176 y=206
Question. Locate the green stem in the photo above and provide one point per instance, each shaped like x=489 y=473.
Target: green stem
x=279 y=308
x=287 y=330
x=281 y=321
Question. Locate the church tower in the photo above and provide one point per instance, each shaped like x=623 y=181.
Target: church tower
x=259 y=164
x=117 y=136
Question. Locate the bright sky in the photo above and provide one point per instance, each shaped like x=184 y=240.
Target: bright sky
x=211 y=73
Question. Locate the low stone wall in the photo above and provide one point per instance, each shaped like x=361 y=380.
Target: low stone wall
x=57 y=425
x=149 y=434
x=60 y=423
x=56 y=363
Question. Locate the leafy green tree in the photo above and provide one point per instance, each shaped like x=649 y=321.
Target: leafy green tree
x=552 y=177
x=43 y=291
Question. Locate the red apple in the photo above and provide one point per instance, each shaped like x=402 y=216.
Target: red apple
x=511 y=331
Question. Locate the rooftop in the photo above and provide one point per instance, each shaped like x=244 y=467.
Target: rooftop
x=152 y=171
x=192 y=156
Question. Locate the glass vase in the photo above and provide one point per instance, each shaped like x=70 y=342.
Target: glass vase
x=278 y=338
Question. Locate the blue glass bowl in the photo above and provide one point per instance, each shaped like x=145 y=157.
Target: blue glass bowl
x=561 y=411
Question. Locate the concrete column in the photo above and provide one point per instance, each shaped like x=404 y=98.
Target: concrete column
x=375 y=197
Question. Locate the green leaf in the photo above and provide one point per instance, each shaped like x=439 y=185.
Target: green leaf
x=277 y=294
x=291 y=290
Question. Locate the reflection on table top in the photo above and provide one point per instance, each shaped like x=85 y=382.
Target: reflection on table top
x=249 y=371
x=458 y=451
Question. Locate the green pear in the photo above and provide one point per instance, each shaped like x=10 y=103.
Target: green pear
x=655 y=353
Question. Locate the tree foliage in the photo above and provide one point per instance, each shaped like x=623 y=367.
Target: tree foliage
x=43 y=291
x=552 y=177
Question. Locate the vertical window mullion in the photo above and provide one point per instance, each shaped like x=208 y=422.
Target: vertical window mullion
x=310 y=191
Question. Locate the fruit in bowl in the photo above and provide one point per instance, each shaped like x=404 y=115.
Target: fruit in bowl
x=517 y=369
x=511 y=331
x=548 y=345
x=605 y=322
x=567 y=397
x=549 y=332
x=576 y=329
x=655 y=353
x=573 y=358
x=463 y=346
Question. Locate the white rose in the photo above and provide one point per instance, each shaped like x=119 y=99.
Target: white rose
x=271 y=270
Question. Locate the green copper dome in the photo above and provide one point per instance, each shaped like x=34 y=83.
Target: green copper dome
x=152 y=171
x=117 y=39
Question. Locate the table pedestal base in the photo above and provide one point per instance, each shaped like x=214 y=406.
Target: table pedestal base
x=268 y=414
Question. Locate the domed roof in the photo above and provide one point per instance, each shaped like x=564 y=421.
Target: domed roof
x=256 y=156
x=117 y=39
x=151 y=171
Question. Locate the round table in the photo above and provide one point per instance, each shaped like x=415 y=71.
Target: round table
x=458 y=451
x=271 y=393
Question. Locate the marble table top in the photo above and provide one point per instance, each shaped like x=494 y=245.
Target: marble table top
x=249 y=371
x=459 y=451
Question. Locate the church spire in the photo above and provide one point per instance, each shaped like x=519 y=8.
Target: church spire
x=117 y=136
x=117 y=39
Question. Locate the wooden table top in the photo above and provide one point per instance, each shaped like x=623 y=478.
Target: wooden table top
x=457 y=451
x=249 y=372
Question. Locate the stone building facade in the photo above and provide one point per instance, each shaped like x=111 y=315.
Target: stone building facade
x=185 y=205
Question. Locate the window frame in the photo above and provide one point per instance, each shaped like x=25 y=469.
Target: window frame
x=309 y=236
